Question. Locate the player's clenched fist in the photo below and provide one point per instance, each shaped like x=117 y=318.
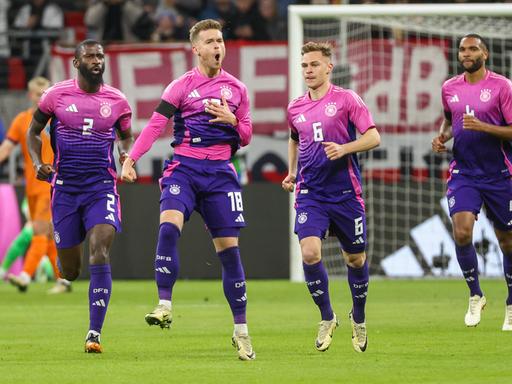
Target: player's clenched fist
x=44 y=171
x=438 y=144
x=288 y=183
x=128 y=173
x=333 y=151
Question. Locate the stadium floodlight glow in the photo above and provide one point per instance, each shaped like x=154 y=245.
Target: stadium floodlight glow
x=396 y=57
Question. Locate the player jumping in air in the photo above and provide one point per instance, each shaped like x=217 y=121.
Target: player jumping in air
x=85 y=115
x=327 y=181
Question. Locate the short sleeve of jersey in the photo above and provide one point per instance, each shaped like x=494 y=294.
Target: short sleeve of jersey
x=125 y=116
x=506 y=102
x=173 y=93
x=47 y=102
x=294 y=134
x=359 y=113
x=15 y=130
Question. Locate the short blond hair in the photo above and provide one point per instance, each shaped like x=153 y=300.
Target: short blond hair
x=38 y=83
x=203 y=25
x=313 y=46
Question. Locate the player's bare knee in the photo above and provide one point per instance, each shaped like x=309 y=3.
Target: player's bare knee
x=310 y=255
x=98 y=257
x=355 y=260
x=462 y=236
x=99 y=253
x=506 y=245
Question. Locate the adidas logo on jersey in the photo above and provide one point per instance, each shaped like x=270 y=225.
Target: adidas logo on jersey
x=99 y=303
x=317 y=293
x=110 y=217
x=300 y=119
x=194 y=93
x=163 y=270
x=240 y=219
x=359 y=240
x=72 y=108
x=454 y=99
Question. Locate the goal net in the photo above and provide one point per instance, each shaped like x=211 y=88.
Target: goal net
x=396 y=57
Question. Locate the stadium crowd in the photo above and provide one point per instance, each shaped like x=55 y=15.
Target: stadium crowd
x=29 y=27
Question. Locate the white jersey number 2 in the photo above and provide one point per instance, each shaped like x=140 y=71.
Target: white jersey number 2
x=86 y=128
x=111 y=200
x=318 y=135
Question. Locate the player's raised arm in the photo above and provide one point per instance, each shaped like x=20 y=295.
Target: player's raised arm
x=148 y=136
x=240 y=119
x=35 y=144
x=368 y=140
x=501 y=132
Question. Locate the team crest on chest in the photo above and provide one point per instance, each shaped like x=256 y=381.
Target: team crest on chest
x=485 y=95
x=226 y=92
x=105 y=109
x=330 y=109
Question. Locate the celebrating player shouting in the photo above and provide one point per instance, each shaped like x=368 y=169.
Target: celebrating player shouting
x=211 y=120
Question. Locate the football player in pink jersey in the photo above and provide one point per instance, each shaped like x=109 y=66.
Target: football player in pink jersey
x=478 y=115
x=211 y=121
x=85 y=116
x=324 y=171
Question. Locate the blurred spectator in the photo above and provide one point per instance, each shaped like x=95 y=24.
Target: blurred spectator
x=275 y=25
x=5 y=51
x=191 y=8
x=170 y=26
x=119 y=20
x=39 y=14
x=221 y=10
x=170 y=23
x=39 y=24
x=248 y=23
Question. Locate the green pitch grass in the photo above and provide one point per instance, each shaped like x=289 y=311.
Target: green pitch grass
x=416 y=335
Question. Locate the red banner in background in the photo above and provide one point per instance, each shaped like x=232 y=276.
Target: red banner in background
x=143 y=71
x=399 y=82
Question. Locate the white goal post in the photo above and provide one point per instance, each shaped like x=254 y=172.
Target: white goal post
x=374 y=45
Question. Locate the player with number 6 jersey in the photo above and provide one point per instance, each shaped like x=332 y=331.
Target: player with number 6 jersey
x=324 y=124
x=478 y=115
x=85 y=116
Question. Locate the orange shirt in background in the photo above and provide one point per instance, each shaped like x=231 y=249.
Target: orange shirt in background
x=17 y=133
